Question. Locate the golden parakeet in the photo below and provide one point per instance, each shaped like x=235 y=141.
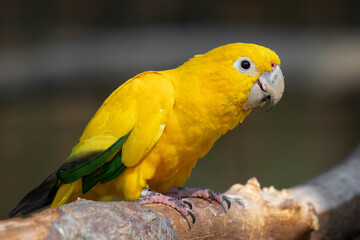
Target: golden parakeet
x=150 y=132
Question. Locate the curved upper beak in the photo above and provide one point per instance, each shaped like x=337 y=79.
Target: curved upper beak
x=269 y=86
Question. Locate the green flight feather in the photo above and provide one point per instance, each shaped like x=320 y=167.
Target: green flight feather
x=88 y=181
x=106 y=173
x=113 y=174
x=111 y=169
x=71 y=171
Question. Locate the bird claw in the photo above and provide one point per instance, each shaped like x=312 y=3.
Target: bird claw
x=188 y=203
x=218 y=197
x=199 y=193
x=192 y=215
x=211 y=193
x=227 y=200
x=183 y=206
x=175 y=198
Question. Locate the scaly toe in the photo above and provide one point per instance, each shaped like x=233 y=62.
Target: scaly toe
x=183 y=206
x=200 y=193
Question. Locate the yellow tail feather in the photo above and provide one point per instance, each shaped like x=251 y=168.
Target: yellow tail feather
x=66 y=194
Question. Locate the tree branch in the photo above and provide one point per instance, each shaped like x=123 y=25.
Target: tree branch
x=325 y=207
x=335 y=196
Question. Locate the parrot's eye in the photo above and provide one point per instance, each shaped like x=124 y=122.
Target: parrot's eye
x=245 y=65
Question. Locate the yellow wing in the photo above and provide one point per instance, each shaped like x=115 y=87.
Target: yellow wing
x=141 y=106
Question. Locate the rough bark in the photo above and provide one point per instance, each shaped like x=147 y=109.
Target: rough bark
x=326 y=207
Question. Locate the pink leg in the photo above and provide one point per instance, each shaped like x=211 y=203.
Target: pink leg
x=198 y=193
x=182 y=206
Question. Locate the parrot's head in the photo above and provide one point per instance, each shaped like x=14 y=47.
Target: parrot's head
x=262 y=67
x=251 y=72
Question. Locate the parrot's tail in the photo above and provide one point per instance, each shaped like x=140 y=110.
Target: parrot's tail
x=40 y=197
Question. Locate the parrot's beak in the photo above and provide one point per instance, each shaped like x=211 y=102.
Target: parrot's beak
x=269 y=86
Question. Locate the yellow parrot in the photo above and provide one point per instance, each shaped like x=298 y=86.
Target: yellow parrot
x=150 y=132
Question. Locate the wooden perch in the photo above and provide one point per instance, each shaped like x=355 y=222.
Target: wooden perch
x=326 y=207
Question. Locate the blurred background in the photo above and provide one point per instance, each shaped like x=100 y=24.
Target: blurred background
x=59 y=60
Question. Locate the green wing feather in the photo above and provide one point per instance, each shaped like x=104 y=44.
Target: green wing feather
x=111 y=169
x=106 y=173
x=71 y=171
x=88 y=181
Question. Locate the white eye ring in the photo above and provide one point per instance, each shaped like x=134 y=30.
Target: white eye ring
x=245 y=65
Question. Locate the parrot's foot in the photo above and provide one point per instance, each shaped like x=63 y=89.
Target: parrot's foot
x=183 y=206
x=199 y=193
